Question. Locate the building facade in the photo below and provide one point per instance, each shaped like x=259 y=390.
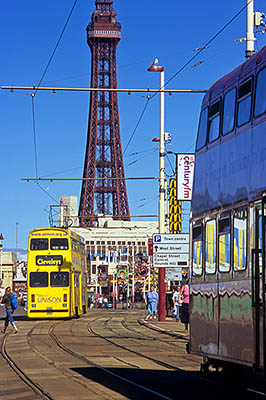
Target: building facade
x=115 y=248
x=8 y=268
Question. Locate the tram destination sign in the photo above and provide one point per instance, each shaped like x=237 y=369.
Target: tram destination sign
x=49 y=260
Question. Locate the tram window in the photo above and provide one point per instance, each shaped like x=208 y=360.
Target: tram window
x=229 y=111
x=197 y=250
x=38 y=279
x=202 y=131
x=244 y=102
x=59 y=279
x=210 y=247
x=240 y=240
x=260 y=98
x=224 y=237
x=214 y=121
x=59 y=244
x=39 y=244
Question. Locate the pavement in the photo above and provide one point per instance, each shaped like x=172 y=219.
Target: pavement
x=170 y=327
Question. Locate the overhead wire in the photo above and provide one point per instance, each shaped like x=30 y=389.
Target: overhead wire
x=199 y=51
x=35 y=92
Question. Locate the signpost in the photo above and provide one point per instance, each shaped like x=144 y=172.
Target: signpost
x=170 y=250
x=173 y=274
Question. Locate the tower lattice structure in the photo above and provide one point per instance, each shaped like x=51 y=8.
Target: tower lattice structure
x=106 y=192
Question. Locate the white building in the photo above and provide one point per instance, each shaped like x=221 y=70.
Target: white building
x=114 y=244
x=7 y=268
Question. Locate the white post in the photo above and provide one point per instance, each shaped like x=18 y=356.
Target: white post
x=156 y=68
x=250 y=29
x=162 y=151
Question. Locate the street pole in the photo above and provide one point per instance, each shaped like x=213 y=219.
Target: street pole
x=1 y=252
x=250 y=39
x=162 y=291
x=133 y=285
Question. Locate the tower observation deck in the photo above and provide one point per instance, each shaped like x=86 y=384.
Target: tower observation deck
x=106 y=192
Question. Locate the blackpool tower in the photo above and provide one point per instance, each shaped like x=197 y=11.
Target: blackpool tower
x=103 y=187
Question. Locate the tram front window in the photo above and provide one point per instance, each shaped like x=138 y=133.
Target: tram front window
x=39 y=244
x=39 y=279
x=59 y=279
x=59 y=244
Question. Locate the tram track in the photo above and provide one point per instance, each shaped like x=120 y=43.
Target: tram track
x=34 y=386
x=103 y=369
x=49 y=339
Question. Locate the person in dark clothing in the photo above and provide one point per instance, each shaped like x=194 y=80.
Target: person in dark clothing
x=6 y=300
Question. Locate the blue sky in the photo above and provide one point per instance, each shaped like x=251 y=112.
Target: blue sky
x=169 y=31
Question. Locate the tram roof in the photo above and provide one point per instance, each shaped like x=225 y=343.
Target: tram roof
x=237 y=75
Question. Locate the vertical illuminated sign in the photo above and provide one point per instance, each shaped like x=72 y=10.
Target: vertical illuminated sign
x=174 y=209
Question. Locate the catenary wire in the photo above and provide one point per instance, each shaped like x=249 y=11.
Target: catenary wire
x=185 y=65
x=34 y=94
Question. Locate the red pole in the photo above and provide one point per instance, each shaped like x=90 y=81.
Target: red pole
x=162 y=294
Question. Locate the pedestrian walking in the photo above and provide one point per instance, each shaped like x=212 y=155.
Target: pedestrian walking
x=7 y=301
x=105 y=302
x=177 y=306
x=184 y=300
x=151 y=301
x=100 y=301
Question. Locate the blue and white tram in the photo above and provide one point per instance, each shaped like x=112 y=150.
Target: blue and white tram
x=229 y=220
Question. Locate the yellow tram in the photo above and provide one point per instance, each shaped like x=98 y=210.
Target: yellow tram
x=57 y=274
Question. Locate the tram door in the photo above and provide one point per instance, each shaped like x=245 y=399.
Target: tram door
x=259 y=284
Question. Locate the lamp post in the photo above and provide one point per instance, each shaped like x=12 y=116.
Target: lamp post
x=1 y=251
x=162 y=292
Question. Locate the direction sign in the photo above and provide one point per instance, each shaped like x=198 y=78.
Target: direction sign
x=170 y=248
x=173 y=274
x=166 y=238
x=170 y=260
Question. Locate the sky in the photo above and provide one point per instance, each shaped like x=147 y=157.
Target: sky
x=171 y=31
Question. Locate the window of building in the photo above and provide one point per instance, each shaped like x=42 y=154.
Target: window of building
x=214 y=121
x=240 y=240
x=224 y=244
x=197 y=250
x=210 y=247
x=260 y=97
x=202 y=130
x=229 y=111
x=244 y=102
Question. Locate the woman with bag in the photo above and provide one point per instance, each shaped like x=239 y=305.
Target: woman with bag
x=184 y=300
x=7 y=301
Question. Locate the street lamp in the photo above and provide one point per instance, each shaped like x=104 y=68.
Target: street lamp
x=162 y=292
x=1 y=251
